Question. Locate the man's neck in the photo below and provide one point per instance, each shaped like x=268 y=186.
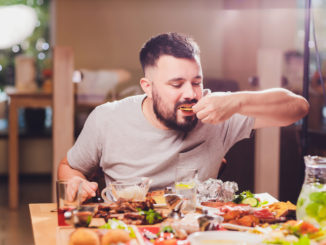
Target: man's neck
x=147 y=108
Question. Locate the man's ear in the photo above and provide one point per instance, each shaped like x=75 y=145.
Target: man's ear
x=146 y=86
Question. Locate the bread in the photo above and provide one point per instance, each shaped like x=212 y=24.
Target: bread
x=115 y=236
x=83 y=236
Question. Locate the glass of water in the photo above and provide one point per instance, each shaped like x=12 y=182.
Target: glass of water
x=185 y=185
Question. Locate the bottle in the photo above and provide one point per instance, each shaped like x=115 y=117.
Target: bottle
x=311 y=205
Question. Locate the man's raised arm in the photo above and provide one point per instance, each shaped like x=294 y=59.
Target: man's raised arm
x=270 y=108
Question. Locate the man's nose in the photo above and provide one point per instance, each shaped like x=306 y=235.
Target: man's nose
x=189 y=91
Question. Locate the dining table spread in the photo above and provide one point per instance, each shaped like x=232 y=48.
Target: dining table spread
x=246 y=216
x=45 y=222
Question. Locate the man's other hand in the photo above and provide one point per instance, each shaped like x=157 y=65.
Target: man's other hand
x=82 y=187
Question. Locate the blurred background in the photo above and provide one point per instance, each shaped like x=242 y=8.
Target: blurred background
x=106 y=36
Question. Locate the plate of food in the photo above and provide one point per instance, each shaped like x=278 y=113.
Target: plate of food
x=248 y=210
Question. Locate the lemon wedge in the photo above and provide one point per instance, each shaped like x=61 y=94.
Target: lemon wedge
x=181 y=185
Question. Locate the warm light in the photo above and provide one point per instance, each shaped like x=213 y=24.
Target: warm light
x=17 y=22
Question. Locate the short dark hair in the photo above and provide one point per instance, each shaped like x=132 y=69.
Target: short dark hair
x=174 y=44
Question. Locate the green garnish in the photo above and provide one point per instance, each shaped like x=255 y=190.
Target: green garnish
x=244 y=195
x=151 y=216
x=303 y=240
x=253 y=202
x=118 y=224
x=167 y=229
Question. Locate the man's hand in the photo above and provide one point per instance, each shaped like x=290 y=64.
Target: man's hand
x=82 y=187
x=216 y=107
x=275 y=107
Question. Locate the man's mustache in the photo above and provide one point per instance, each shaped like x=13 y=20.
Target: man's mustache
x=178 y=104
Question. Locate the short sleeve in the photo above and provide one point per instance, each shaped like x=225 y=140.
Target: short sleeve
x=238 y=127
x=86 y=152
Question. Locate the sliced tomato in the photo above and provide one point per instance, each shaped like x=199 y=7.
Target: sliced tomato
x=306 y=227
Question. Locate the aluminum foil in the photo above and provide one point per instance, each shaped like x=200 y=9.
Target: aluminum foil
x=216 y=190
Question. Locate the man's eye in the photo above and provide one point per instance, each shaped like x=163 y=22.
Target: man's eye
x=176 y=85
x=196 y=84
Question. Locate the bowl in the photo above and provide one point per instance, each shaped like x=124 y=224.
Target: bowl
x=224 y=237
x=131 y=190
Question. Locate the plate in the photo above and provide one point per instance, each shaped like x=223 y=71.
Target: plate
x=224 y=237
x=263 y=197
x=266 y=197
x=160 y=205
x=234 y=227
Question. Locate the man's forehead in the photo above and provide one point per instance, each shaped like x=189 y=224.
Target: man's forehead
x=168 y=62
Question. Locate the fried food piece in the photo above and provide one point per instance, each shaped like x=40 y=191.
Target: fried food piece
x=158 y=196
x=84 y=236
x=232 y=215
x=282 y=209
x=184 y=108
x=115 y=236
x=248 y=220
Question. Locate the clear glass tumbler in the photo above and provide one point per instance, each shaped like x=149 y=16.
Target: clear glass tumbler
x=185 y=185
x=67 y=202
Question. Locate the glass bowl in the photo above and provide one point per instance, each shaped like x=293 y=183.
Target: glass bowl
x=131 y=190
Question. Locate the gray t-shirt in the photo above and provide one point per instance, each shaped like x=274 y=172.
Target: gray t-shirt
x=117 y=137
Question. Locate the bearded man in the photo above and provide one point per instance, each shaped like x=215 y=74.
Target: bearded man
x=175 y=123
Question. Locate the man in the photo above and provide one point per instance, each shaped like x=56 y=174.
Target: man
x=176 y=122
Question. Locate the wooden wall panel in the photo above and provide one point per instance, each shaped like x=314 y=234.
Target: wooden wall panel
x=63 y=106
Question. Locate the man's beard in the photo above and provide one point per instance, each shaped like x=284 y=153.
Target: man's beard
x=169 y=119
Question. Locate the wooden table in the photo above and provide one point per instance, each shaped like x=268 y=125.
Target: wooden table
x=20 y=100
x=44 y=223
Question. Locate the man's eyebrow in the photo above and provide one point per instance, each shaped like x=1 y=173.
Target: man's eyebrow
x=198 y=77
x=177 y=79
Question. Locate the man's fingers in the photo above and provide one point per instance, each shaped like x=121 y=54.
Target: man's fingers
x=82 y=187
x=88 y=188
x=199 y=106
x=94 y=185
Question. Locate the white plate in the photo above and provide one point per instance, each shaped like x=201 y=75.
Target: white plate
x=263 y=197
x=234 y=227
x=266 y=197
x=160 y=205
x=225 y=238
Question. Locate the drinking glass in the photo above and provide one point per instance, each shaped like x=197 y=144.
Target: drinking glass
x=185 y=185
x=67 y=201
